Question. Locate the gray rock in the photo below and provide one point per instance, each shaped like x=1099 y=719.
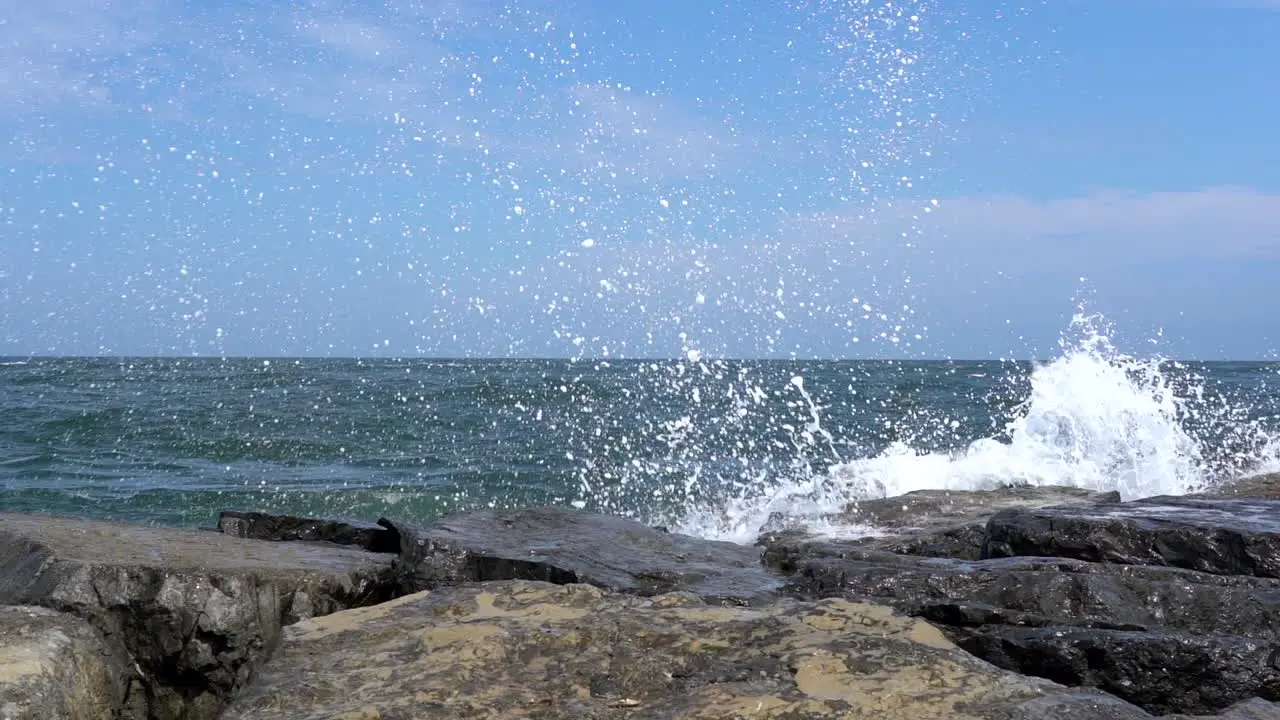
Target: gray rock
x=1161 y=672
x=1255 y=709
x=565 y=546
x=1169 y=603
x=1258 y=487
x=1222 y=536
x=535 y=650
x=1078 y=706
x=195 y=611
x=55 y=666
x=284 y=528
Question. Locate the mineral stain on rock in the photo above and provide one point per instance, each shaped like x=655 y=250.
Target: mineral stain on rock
x=534 y=649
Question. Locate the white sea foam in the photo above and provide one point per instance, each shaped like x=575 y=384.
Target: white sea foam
x=1095 y=418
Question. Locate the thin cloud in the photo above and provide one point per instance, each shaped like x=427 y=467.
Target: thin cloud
x=65 y=51
x=1218 y=222
x=508 y=88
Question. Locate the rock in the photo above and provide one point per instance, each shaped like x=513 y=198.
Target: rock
x=567 y=546
x=194 y=611
x=925 y=509
x=1170 y=603
x=1078 y=706
x=55 y=666
x=533 y=649
x=282 y=528
x=1255 y=709
x=1042 y=592
x=945 y=523
x=1258 y=487
x=1160 y=672
x=1228 y=537
x=935 y=523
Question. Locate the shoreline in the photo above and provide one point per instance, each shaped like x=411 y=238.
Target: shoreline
x=1013 y=603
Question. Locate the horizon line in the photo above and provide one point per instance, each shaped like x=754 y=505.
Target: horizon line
x=591 y=359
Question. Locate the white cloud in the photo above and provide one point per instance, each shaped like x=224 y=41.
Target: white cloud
x=62 y=51
x=1220 y=221
x=622 y=129
x=503 y=84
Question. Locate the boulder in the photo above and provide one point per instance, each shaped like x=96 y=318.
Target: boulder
x=1172 y=604
x=195 y=612
x=55 y=666
x=1255 y=709
x=1212 y=535
x=940 y=509
x=1259 y=487
x=566 y=546
x=1159 y=671
x=285 y=528
x=532 y=649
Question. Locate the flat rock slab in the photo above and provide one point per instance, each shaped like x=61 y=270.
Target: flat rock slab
x=945 y=508
x=196 y=611
x=1262 y=487
x=1171 y=604
x=1195 y=672
x=537 y=650
x=935 y=523
x=55 y=666
x=287 y=528
x=567 y=546
x=1222 y=536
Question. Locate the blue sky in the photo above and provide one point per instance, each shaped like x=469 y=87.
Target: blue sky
x=466 y=177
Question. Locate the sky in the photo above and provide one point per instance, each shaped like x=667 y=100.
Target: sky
x=581 y=178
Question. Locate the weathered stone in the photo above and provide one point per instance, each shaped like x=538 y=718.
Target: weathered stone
x=1146 y=586
x=1258 y=487
x=1049 y=591
x=532 y=649
x=924 y=509
x=1227 y=537
x=1255 y=709
x=195 y=611
x=565 y=546
x=55 y=666
x=1161 y=672
x=946 y=523
x=282 y=528
x=1078 y=706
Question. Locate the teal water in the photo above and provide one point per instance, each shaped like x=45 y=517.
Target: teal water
x=173 y=441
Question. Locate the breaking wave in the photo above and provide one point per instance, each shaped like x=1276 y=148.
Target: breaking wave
x=1094 y=418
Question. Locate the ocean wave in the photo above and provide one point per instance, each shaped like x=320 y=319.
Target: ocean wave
x=1094 y=418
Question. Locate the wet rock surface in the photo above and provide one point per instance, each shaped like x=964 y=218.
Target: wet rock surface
x=1172 y=604
x=533 y=649
x=565 y=546
x=286 y=528
x=1212 y=535
x=1012 y=604
x=194 y=612
x=55 y=666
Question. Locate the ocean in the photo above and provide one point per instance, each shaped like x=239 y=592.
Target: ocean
x=717 y=448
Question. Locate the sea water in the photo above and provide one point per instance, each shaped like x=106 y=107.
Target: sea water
x=716 y=448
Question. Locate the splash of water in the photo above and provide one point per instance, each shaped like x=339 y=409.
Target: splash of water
x=1094 y=418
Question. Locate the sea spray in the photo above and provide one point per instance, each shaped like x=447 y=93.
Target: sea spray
x=1092 y=418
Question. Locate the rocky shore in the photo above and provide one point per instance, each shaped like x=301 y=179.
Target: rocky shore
x=1016 y=604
